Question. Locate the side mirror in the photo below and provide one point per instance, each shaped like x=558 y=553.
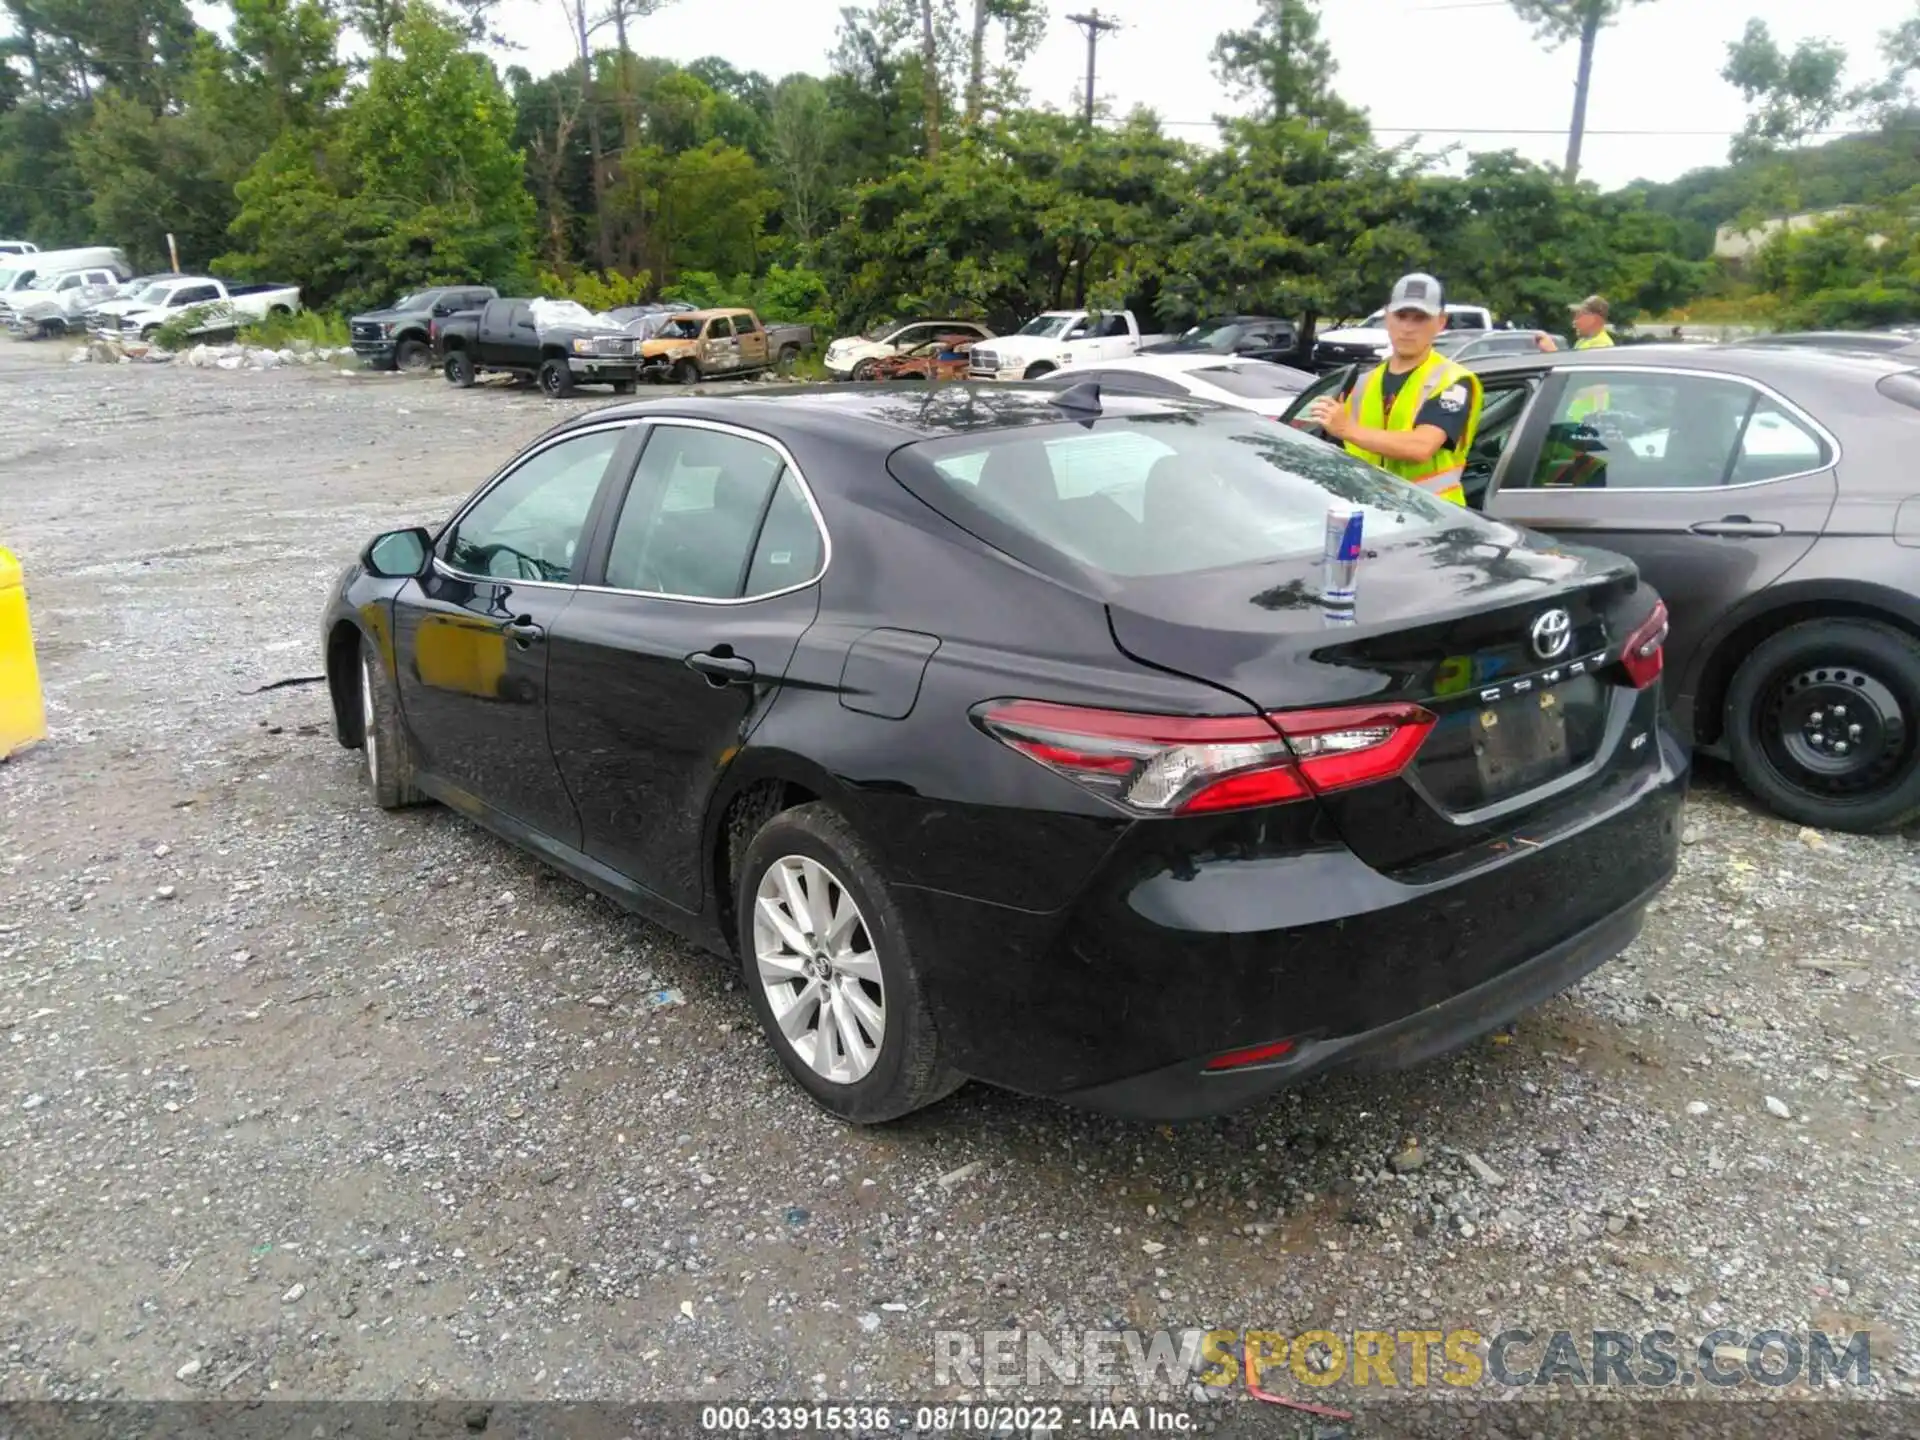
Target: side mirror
x=398 y=554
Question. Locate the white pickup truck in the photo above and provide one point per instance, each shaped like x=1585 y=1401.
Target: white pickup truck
x=1368 y=341
x=56 y=303
x=1058 y=340
x=211 y=307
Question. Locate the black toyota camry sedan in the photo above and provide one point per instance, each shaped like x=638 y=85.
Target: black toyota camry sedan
x=1008 y=733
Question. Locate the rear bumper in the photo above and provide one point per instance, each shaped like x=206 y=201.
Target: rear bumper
x=1187 y=1091
x=1179 y=952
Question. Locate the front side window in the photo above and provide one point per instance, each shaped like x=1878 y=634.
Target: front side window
x=528 y=526
x=692 y=520
x=1150 y=495
x=1627 y=430
x=719 y=328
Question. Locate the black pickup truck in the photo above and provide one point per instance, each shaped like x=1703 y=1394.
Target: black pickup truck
x=557 y=342
x=397 y=338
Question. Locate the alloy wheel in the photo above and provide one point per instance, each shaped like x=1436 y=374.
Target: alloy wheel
x=815 y=959
x=1835 y=731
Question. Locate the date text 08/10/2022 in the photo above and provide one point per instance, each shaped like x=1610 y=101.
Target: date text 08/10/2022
x=947 y=1419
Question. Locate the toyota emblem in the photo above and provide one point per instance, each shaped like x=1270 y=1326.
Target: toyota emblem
x=1552 y=634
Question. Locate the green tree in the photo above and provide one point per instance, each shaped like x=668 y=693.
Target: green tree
x=800 y=133
x=1037 y=213
x=1788 y=95
x=700 y=209
x=1022 y=25
x=285 y=55
x=418 y=182
x=1281 y=63
x=1557 y=21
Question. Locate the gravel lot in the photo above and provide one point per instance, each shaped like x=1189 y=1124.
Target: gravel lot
x=298 y=1098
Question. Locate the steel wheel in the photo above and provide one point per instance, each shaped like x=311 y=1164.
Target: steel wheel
x=368 y=723
x=1822 y=722
x=815 y=958
x=1834 y=730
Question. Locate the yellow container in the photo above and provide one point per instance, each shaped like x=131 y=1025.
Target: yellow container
x=23 y=714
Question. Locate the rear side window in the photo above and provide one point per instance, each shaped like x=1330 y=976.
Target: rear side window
x=1151 y=495
x=692 y=523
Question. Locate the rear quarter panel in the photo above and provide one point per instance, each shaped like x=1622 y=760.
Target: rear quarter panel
x=945 y=806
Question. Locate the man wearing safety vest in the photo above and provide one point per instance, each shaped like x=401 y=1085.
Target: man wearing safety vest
x=1590 y=324
x=1415 y=414
x=1590 y=333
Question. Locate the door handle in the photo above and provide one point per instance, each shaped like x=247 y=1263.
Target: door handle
x=1739 y=527
x=721 y=666
x=524 y=631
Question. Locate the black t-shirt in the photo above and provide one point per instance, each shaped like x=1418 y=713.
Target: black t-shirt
x=1448 y=409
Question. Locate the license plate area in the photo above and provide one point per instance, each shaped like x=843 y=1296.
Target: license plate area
x=1484 y=753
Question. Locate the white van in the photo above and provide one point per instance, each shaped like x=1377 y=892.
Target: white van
x=18 y=272
x=18 y=247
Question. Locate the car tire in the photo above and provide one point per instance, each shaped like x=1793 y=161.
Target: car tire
x=685 y=372
x=389 y=754
x=459 y=370
x=811 y=864
x=556 y=379
x=863 y=371
x=412 y=355
x=788 y=358
x=1034 y=372
x=1823 y=724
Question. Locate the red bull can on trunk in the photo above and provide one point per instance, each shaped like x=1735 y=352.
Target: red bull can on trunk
x=1342 y=560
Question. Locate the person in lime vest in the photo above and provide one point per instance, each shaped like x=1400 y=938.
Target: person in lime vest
x=1413 y=415
x=1590 y=324
x=1590 y=333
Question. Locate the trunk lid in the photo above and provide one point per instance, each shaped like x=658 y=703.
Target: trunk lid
x=1510 y=640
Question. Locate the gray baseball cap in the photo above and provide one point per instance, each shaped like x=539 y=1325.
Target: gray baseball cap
x=1416 y=292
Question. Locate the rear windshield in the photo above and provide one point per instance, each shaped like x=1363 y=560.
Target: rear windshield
x=1157 y=494
x=1255 y=382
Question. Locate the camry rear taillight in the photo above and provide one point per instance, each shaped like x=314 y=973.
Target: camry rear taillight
x=1184 y=765
x=1645 y=652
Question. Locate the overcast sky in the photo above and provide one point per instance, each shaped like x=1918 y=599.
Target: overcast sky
x=1657 y=70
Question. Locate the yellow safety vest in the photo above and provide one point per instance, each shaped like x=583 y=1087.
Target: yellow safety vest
x=1443 y=474
x=1602 y=341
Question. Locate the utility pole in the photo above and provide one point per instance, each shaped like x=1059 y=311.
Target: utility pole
x=1096 y=25
x=1589 y=33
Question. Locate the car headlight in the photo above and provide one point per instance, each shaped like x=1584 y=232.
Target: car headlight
x=386 y=327
x=583 y=347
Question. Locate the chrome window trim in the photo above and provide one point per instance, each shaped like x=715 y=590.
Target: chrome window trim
x=1826 y=436
x=492 y=483
x=813 y=507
